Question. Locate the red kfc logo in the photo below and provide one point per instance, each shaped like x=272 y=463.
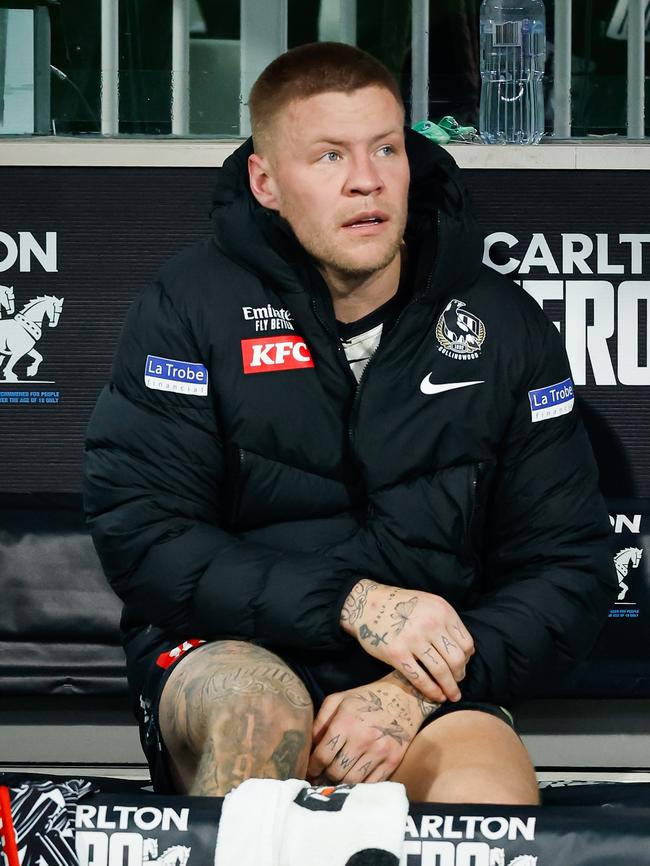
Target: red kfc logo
x=263 y=355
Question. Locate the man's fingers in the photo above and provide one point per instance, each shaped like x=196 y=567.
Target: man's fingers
x=325 y=715
x=452 y=654
x=420 y=679
x=381 y=773
x=439 y=667
x=330 y=745
x=340 y=767
x=361 y=770
x=459 y=634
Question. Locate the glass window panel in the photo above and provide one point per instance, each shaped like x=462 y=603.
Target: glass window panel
x=16 y=71
x=599 y=79
x=382 y=27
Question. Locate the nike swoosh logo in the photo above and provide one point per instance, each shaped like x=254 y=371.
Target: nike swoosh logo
x=428 y=387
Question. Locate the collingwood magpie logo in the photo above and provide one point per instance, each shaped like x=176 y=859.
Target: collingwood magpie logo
x=20 y=333
x=459 y=332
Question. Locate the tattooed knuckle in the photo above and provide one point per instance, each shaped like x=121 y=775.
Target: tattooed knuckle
x=364 y=769
x=382 y=750
x=412 y=671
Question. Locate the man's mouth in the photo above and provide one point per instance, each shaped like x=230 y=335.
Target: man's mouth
x=373 y=218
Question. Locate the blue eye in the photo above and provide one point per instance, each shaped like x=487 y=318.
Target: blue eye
x=328 y=156
x=386 y=150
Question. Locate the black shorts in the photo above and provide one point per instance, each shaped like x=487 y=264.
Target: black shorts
x=159 y=666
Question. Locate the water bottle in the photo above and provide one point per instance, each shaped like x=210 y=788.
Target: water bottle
x=513 y=52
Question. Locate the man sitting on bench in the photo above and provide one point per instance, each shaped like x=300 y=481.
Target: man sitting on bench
x=339 y=471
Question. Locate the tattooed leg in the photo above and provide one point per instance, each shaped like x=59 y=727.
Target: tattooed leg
x=231 y=711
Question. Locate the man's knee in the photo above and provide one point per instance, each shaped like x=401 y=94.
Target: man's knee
x=480 y=784
x=235 y=693
x=468 y=757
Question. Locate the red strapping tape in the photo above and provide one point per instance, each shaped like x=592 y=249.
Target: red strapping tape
x=7 y=832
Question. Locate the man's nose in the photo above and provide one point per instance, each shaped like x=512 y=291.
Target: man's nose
x=363 y=179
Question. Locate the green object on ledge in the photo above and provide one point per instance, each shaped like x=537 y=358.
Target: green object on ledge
x=431 y=130
x=445 y=130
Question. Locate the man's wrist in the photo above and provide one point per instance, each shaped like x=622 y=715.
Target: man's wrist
x=355 y=605
x=425 y=707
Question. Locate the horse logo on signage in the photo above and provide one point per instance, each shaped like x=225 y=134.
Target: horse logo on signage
x=629 y=557
x=7 y=300
x=176 y=855
x=19 y=335
x=498 y=858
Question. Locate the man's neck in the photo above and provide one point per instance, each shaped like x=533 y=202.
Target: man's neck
x=356 y=297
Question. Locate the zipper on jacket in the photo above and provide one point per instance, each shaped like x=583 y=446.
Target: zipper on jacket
x=354 y=408
x=338 y=346
x=355 y=400
x=238 y=485
x=436 y=260
x=476 y=521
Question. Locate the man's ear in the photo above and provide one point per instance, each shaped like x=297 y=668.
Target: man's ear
x=262 y=184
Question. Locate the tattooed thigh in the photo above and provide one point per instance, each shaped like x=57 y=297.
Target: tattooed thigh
x=230 y=680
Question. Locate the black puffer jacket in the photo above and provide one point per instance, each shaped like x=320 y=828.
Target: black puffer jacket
x=251 y=505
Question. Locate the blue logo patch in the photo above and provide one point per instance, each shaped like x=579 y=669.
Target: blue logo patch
x=181 y=377
x=551 y=401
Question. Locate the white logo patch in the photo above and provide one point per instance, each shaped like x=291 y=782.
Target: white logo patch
x=180 y=377
x=551 y=401
x=429 y=387
x=269 y=318
x=459 y=332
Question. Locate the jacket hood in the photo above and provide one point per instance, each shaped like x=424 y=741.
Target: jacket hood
x=440 y=221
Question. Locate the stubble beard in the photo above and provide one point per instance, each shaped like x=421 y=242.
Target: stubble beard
x=345 y=268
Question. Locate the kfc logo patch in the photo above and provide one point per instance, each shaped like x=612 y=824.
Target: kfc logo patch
x=275 y=353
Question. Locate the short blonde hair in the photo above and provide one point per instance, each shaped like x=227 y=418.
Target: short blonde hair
x=319 y=67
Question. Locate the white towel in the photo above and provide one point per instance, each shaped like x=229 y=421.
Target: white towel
x=265 y=822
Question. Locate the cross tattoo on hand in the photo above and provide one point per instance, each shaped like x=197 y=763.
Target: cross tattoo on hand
x=375 y=638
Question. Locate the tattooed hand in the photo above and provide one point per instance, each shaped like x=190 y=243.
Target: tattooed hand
x=417 y=633
x=361 y=735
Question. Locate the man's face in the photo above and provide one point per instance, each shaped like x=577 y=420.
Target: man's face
x=338 y=173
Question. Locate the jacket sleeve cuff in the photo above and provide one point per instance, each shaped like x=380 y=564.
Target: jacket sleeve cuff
x=343 y=638
x=300 y=606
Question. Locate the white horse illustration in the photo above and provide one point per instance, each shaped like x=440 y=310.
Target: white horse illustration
x=498 y=858
x=177 y=855
x=625 y=559
x=7 y=299
x=19 y=335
